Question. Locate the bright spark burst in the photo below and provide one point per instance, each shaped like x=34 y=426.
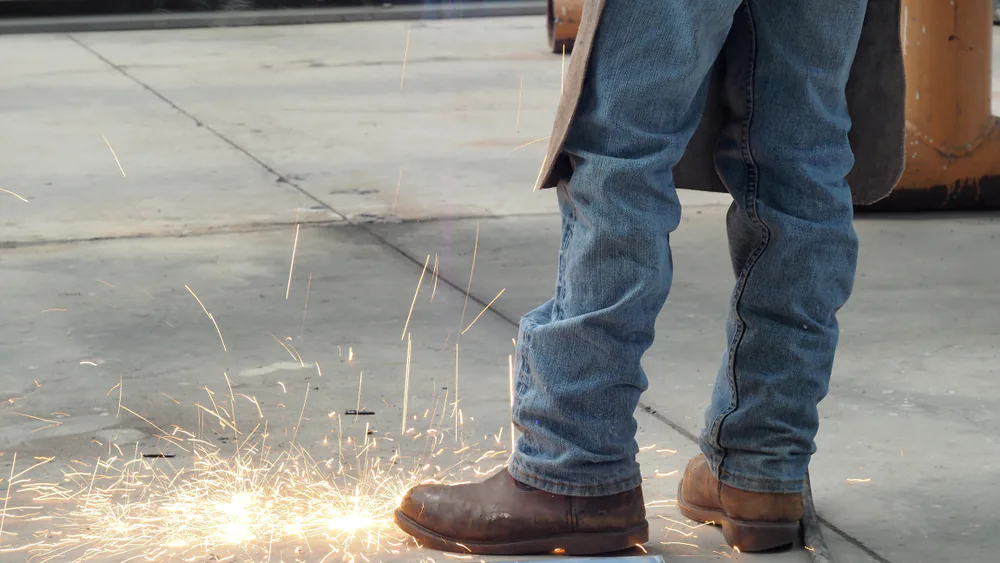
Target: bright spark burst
x=244 y=504
x=216 y=503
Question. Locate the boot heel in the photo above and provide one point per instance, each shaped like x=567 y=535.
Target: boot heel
x=759 y=536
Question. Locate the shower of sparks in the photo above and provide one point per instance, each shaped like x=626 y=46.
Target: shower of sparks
x=406 y=54
x=415 y=294
x=520 y=91
x=487 y=308
x=210 y=317
x=13 y=194
x=529 y=143
x=114 y=155
x=247 y=501
x=291 y=269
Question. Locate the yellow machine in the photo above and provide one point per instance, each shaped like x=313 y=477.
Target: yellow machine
x=952 y=136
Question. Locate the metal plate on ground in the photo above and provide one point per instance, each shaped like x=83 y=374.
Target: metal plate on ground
x=630 y=559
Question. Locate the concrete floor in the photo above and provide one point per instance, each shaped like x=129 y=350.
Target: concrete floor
x=227 y=138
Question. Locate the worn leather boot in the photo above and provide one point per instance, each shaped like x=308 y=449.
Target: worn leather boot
x=500 y=516
x=750 y=521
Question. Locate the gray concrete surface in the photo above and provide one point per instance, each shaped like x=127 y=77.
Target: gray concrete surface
x=227 y=138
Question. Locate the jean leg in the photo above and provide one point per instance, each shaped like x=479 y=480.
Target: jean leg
x=579 y=377
x=784 y=157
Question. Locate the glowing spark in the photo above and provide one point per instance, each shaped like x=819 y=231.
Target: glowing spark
x=350 y=353
x=562 y=72
x=643 y=549
x=647 y=448
x=301 y=414
x=859 y=480
x=210 y=317
x=807 y=548
x=302 y=330
x=121 y=394
x=291 y=269
x=435 y=274
x=88 y=363
x=56 y=422
x=406 y=382
x=357 y=411
x=517 y=125
x=529 y=143
x=114 y=155
x=6 y=498
x=540 y=170
x=510 y=378
x=666 y=451
x=671 y=474
x=484 y=310
x=287 y=349
x=472 y=272
x=13 y=194
x=415 y=293
x=283 y=389
x=176 y=402
x=736 y=549
x=54 y=310
x=901 y=453
x=682 y=543
x=455 y=412
x=406 y=53
x=399 y=182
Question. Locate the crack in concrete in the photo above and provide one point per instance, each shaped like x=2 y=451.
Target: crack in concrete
x=414 y=260
x=188 y=233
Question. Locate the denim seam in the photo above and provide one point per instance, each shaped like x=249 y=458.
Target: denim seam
x=750 y=205
x=561 y=272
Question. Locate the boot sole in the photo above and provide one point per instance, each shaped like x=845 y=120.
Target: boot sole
x=590 y=543
x=747 y=536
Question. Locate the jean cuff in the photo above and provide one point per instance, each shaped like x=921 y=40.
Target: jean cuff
x=523 y=473
x=729 y=470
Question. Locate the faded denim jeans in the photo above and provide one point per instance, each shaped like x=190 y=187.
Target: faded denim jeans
x=783 y=156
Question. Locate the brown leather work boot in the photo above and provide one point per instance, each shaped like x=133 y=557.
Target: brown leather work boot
x=750 y=521
x=503 y=517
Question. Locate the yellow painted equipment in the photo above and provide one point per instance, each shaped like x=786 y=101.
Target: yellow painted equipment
x=563 y=22
x=952 y=136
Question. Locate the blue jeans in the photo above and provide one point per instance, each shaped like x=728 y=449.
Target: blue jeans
x=783 y=156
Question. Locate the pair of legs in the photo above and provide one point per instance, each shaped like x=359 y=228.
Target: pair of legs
x=783 y=156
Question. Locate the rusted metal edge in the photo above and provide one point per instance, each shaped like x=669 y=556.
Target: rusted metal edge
x=972 y=194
